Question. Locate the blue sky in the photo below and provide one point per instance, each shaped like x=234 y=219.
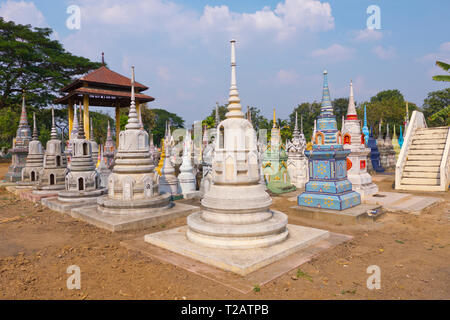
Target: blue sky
x=181 y=51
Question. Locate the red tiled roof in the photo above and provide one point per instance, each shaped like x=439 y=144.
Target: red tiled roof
x=106 y=76
x=94 y=92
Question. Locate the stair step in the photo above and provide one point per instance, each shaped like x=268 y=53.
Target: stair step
x=436 y=129
x=423 y=181
x=420 y=174
x=440 y=137
x=415 y=187
x=423 y=157
x=433 y=163
x=427 y=146
x=426 y=151
x=429 y=141
x=420 y=169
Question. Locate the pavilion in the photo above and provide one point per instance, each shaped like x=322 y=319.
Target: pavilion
x=101 y=88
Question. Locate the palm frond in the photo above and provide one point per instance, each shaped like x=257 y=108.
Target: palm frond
x=443 y=65
x=444 y=113
x=441 y=78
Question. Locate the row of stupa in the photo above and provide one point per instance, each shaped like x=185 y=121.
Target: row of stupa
x=235 y=211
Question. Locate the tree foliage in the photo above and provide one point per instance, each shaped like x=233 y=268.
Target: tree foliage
x=161 y=116
x=436 y=108
x=31 y=61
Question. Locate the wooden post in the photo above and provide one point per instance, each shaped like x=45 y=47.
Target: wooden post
x=70 y=110
x=117 y=125
x=86 y=116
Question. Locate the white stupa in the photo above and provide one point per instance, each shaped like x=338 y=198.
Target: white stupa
x=82 y=182
x=168 y=183
x=34 y=161
x=53 y=173
x=358 y=158
x=186 y=176
x=297 y=162
x=236 y=230
x=133 y=186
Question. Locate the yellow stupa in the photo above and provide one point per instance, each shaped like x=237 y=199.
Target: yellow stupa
x=161 y=159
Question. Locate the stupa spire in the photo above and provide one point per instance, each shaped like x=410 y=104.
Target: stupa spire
x=108 y=132
x=133 y=121
x=91 y=130
x=35 y=133
x=81 y=134
x=301 y=123
x=387 y=130
x=351 y=111
x=365 y=129
x=274 y=119
x=326 y=109
x=296 y=122
x=234 y=103
x=54 y=133
x=217 y=114
x=74 y=133
x=23 y=116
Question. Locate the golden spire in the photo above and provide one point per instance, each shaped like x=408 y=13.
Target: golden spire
x=274 y=118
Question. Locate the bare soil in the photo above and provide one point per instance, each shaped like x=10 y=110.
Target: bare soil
x=37 y=245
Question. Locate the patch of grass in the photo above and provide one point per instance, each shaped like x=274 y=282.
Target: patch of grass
x=256 y=288
x=301 y=274
x=348 y=291
x=399 y=241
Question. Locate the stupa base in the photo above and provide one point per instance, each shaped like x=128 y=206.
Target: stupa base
x=81 y=196
x=360 y=214
x=55 y=204
x=240 y=261
x=131 y=220
x=329 y=201
x=26 y=184
x=45 y=189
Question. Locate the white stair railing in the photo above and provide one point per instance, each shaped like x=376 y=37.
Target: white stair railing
x=445 y=165
x=417 y=121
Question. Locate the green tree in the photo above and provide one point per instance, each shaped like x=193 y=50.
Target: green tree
x=340 y=107
x=309 y=111
x=161 y=116
x=388 y=106
x=30 y=60
x=436 y=108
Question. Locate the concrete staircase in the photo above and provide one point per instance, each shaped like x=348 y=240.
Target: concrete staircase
x=424 y=160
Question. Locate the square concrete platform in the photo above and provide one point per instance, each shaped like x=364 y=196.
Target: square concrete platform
x=242 y=261
x=16 y=190
x=65 y=207
x=402 y=202
x=358 y=214
x=29 y=195
x=246 y=283
x=116 y=222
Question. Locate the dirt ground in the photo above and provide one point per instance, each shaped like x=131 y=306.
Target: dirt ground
x=37 y=245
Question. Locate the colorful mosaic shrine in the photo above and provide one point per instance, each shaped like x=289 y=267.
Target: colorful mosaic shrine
x=328 y=186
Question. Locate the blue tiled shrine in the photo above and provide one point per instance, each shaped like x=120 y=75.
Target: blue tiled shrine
x=328 y=186
x=374 y=153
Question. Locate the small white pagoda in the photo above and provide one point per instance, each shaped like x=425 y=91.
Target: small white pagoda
x=297 y=162
x=34 y=161
x=186 y=176
x=357 y=159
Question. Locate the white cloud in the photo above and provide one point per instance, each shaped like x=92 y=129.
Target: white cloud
x=335 y=52
x=163 y=73
x=286 y=20
x=384 y=53
x=367 y=35
x=22 y=12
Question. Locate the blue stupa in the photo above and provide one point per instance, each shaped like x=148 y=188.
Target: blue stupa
x=374 y=153
x=400 y=138
x=365 y=129
x=328 y=186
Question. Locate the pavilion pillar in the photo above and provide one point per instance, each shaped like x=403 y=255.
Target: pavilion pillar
x=70 y=110
x=86 y=116
x=138 y=107
x=117 y=125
